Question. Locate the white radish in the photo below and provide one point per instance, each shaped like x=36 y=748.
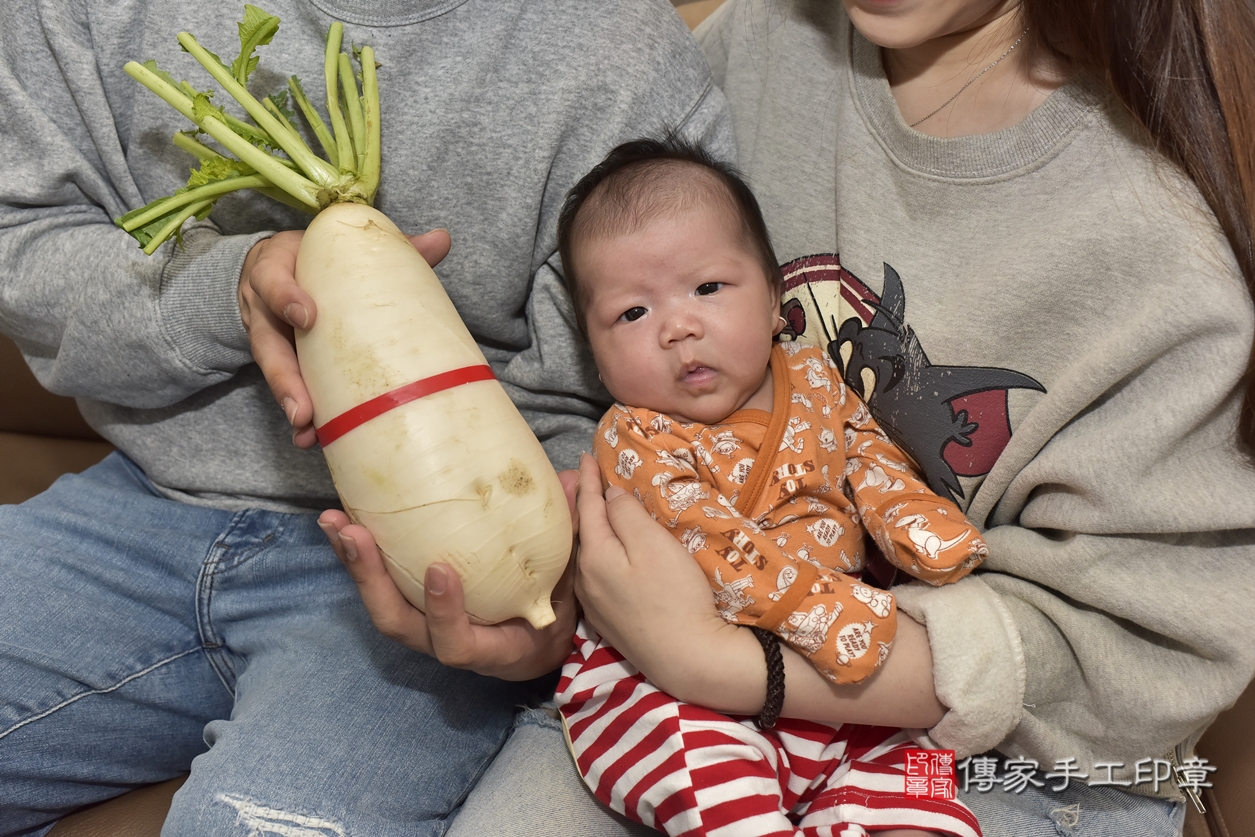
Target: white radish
x=454 y=475
x=444 y=477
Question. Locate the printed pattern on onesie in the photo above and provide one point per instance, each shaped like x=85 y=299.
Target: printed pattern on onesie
x=774 y=508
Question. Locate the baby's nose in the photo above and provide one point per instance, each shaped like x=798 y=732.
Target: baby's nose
x=682 y=325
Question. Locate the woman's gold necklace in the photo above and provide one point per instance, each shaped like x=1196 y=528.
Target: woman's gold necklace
x=972 y=79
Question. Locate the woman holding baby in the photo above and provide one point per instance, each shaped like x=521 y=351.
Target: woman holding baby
x=1039 y=217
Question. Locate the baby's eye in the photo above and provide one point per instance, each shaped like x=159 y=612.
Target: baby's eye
x=707 y=288
x=632 y=314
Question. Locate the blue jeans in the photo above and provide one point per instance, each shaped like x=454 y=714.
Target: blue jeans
x=533 y=790
x=141 y=637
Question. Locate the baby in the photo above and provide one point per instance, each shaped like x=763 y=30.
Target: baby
x=769 y=470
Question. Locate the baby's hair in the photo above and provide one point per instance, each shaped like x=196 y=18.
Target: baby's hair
x=640 y=179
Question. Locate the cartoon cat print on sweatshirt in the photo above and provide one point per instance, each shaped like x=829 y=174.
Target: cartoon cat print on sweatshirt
x=953 y=420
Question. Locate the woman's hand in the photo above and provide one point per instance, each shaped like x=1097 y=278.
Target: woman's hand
x=272 y=306
x=646 y=595
x=511 y=650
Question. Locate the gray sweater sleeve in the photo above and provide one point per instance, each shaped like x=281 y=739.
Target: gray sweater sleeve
x=1112 y=620
x=94 y=315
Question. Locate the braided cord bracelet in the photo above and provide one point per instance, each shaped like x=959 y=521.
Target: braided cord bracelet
x=774 y=701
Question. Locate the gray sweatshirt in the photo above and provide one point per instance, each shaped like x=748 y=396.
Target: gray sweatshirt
x=1061 y=287
x=491 y=110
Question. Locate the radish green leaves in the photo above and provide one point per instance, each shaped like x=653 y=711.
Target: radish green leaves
x=268 y=152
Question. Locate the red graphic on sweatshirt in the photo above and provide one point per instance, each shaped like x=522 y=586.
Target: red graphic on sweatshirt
x=952 y=420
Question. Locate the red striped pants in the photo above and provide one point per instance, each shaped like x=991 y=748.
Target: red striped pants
x=691 y=771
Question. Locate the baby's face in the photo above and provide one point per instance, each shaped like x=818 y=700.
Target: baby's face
x=680 y=316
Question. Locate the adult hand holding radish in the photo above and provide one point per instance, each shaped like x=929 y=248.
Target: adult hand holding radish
x=273 y=305
x=511 y=650
x=425 y=447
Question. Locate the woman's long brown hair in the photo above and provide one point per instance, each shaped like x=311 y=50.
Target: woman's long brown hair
x=1186 y=71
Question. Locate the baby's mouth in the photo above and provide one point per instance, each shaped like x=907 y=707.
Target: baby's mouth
x=695 y=374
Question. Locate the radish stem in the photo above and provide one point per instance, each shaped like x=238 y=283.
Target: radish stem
x=353 y=107
x=203 y=152
x=331 y=69
x=370 y=172
x=317 y=169
x=301 y=178
x=191 y=146
x=273 y=108
x=217 y=189
x=170 y=94
x=302 y=189
x=174 y=224
x=325 y=139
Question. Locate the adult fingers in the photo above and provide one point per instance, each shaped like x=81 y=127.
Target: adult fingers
x=510 y=650
x=632 y=525
x=391 y=613
x=432 y=245
x=453 y=638
x=590 y=505
x=275 y=354
x=270 y=272
x=565 y=603
x=331 y=522
x=601 y=564
x=656 y=557
x=271 y=306
x=655 y=583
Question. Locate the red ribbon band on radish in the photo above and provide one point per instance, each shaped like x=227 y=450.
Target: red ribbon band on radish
x=377 y=406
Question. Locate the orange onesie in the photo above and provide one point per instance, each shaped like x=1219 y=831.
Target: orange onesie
x=780 y=536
